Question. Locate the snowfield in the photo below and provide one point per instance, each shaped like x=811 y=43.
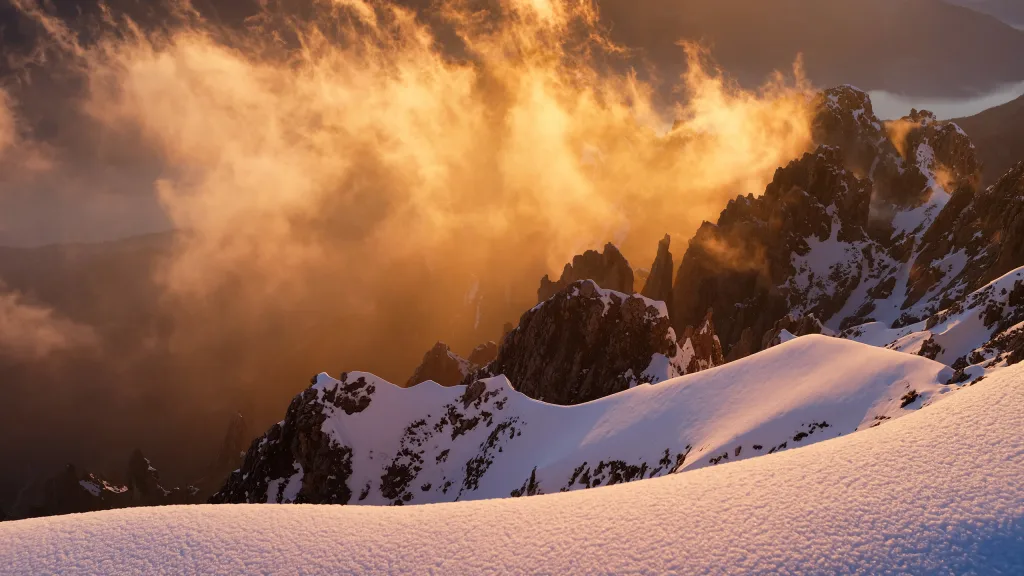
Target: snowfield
x=430 y=444
x=938 y=491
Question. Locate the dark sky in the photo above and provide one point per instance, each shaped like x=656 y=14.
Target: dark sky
x=923 y=48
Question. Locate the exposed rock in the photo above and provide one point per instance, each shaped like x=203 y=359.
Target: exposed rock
x=296 y=460
x=707 y=350
x=845 y=119
x=988 y=227
x=483 y=354
x=441 y=365
x=800 y=327
x=609 y=269
x=73 y=491
x=232 y=451
x=863 y=230
x=447 y=368
x=749 y=263
x=659 y=282
x=585 y=343
x=744 y=347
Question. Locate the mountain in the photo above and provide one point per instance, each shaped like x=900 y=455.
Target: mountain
x=447 y=368
x=1009 y=11
x=902 y=47
x=977 y=336
x=998 y=134
x=359 y=439
x=585 y=343
x=881 y=235
x=888 y=228
x=75 y=491
x=608 y=269
x=937 y=491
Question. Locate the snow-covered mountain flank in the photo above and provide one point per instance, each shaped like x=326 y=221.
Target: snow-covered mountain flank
x=879 y=235
x=359 y=439
x=936 y=492
x=872 y=278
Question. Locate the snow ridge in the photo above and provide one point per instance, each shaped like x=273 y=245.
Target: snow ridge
x=938 y=491
x=434 y=444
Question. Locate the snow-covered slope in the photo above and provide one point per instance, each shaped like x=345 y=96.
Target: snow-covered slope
x=937 y=492
x=978 y=335
x=363 y=440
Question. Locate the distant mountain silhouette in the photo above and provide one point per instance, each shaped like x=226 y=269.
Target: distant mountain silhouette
x=914 y=47
x=998 y=134
x=1009 y=11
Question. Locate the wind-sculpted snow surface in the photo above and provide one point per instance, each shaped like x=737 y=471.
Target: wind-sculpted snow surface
x=936 y=492
x=360 y=440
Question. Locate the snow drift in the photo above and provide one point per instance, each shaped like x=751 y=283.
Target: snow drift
x=938 y=491
x=362 y=440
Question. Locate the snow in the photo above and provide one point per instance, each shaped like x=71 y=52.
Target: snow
x=957 y=332
x=806 y=390
x=90 y=487
x=937 y=492
x=606 y=298
x=785 y=336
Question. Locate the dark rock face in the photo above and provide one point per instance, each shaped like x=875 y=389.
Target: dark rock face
x=898 y=157
x=743 y=263
x=483 y=354
x=863 y=229
x=441 y=365
x=585 y=343
x=743 y=348
x=447 y=368
x=797 y=327
x=659 y=282
x=70 y=492
x=845 y=119
x=988 y=226
x=229 y=458
x=1000 y=307
x=609 y=269
x=296 y=461
x=707 y=349
x=73 y=491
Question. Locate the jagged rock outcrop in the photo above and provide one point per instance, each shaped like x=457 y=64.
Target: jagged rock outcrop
x=609 y=269
x=144 y=487
x=658 y=285
x=794 y=327
x=845 y=119
x=702 y=346
x=447 y=368
x=744 y=347
x=229 y=458
x=441 y=365
x=73 y=491
x=232 y=449
x=986 y=227
x=483 y=354
x=881 y=224
x=980 y=333
x=297 y=460
x=585 y=343
x=750 y=262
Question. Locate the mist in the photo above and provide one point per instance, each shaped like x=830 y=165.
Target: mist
x=348 y=183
